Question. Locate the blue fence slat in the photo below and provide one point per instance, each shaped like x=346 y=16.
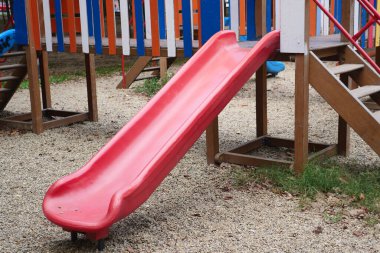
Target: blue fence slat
x=139 y=28
x=97 y=26
x=251 y=23
x=269 y=15
x=161 y=18
x=187 y=34
x=363 y=22
x=319 y=20
x=59 y=23
x=20 y=22
x=338 y=13
x=90 y=18
x=210 y=18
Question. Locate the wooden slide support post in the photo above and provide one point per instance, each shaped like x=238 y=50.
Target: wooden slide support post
x=261 y=74
x=91 y=87
x=301 y=128
x=44 y=76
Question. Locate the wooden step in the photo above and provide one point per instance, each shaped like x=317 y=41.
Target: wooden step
x=8 y=78
x=13 y=54
x=151 y=69
x=4 y=90
x=377 y=116
x=12 y=66
x=345 y=68
x=156 y=59
x=146 y=77
x=364 y=91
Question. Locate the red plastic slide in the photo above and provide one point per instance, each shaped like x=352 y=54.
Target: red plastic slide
x=127 y=170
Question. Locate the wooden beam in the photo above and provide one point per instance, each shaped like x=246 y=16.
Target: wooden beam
x=91 y=87
x=212 y=141
x=250 y=160
x=163 y=66
x=34 y=86
x=348 y=17
x=261 y=101
x=343 y=128
x=44 y=76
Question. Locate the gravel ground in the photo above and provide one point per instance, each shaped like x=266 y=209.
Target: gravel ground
x=191 y=211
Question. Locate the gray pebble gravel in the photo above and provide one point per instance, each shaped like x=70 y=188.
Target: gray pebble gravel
x=189 y=212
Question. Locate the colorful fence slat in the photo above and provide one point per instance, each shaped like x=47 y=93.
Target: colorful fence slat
x=155 y=28
x=187 y=27
x=234 y=14
x=251 y=20
x=97 y=26
x=171 y=35
x=111 y=30
x=90 y=18
x=161 y=17
x=124 y=18
x=210 y=15
x=47 y=25
x=139 y=22
x=84 y=26
x=59 y=25
x=35 y=25
x=148 y=25
x=71 y=25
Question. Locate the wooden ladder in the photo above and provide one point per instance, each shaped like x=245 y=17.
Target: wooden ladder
x=335 y=85
x=155 y=66
x=11 y=76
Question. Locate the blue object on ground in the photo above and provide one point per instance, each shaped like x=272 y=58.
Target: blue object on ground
x=7 y=40
x=275 y=67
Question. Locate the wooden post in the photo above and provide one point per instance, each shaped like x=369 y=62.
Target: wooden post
x=34 y=86
x=261 y=74
x=261 y=101
x=163 y=66
x=44 y=76
x=91 y=87
x=212 y=141
x=343 y=129
x=301 y=128
x=348 y=17
x=260 y=13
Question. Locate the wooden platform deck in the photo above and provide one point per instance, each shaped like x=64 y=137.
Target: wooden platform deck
x=316 y=43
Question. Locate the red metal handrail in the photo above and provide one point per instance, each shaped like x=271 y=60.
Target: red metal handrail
x=375 y=16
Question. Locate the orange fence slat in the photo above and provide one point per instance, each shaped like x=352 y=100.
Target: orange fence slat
x=36 y=24
x=71 y=23
x=242 y=21
x=154 y=24
x=313 y=18
x=111 y=27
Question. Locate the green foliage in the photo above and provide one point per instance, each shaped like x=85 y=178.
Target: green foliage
x=362 y=184
x=61 y=78
x=153 y=85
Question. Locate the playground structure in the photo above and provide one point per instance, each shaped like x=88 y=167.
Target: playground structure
x=203 y=87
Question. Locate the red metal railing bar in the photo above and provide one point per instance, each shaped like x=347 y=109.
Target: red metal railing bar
x=348 y=36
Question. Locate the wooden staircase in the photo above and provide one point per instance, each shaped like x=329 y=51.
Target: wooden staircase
x=11 y=76
x=150 y=67
x=334 y=84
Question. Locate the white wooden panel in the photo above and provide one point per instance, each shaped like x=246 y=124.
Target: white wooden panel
x=278 y=15
x=148 y=21
x=325 y=19
x=124 y=18
x=293 y=26
x=47 y=24
x=234 y=9
x=170 y=28
x=356 y=17
x=192 y=20
x=84 y=26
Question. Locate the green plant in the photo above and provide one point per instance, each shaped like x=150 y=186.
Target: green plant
x=361 y=184
x=151 y=86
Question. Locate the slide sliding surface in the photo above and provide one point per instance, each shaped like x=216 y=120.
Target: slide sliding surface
x=127 y=170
